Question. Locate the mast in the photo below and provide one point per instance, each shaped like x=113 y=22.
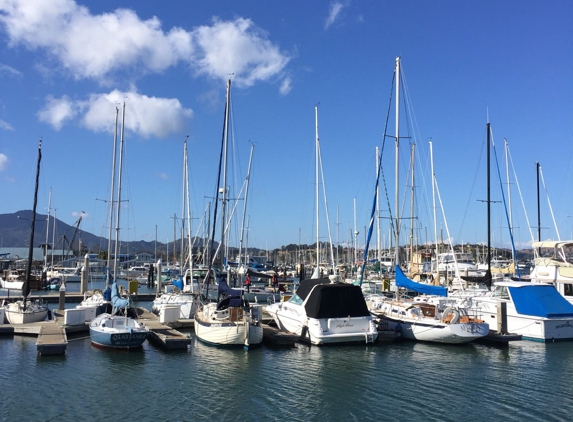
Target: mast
x=488 y=201
x=26 y=285
x=47 y=231
x=538 y=207
x=412 y=213
x=121 y=147
x=112 y=191
x=317 y=269
x=245 y=205
x=378 y=233
x=434 y=206
x=224 y=188
x=397 y=175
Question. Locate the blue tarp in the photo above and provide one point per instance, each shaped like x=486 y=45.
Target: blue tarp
x=116 y=300
x=403 y=281
x=540 y=300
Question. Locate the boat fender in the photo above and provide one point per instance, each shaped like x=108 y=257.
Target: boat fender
x=49 y=314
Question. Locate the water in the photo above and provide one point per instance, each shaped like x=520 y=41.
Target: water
x=387 y=381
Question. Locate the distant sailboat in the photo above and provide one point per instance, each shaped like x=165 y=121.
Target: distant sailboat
x=26 y=311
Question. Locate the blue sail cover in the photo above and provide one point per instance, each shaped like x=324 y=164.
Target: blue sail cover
x=540 y=300
x=116 y=299
x=403 y=281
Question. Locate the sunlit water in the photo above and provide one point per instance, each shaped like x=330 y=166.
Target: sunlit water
x=401 y=381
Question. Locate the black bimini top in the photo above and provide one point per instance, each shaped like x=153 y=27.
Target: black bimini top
x=338 y=300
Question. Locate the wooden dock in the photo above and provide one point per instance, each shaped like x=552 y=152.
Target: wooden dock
x=272 y=336
x=52 y=340
x=162 y=335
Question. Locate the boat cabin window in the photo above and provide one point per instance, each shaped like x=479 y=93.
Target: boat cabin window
x=568 y=289
x=501 y=292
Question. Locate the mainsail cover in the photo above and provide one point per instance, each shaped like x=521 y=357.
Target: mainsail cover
x=403 y=281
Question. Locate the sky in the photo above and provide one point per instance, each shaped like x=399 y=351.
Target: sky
x=66 y=65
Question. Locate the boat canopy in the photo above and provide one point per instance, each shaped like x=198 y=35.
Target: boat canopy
x=336 y=300
x=226 y=291
x=403 y=281
x=117 y=301
x=541 y=300
x=252 y=273
x=307 y=285
x=553 y=244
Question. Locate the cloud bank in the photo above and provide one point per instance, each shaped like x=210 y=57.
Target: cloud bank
x=88 y=46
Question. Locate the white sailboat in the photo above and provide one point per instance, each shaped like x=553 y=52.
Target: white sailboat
x=231 y=321
x=436 y=320
x=116 y=329
x=26 y=311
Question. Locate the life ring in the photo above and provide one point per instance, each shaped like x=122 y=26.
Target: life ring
x=455 y=316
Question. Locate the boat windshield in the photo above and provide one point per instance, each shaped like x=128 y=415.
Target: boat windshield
x=295 y=299
x=500 y=292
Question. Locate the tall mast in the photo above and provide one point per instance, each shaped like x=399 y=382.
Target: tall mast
x=248 y=181
x=538 y=206
x=412 y=211
x=112 y=192
x=47 y=231
x=437 y=251
x=224 y=188
x=121 y=146
x=317 y=270
x=397 y=198
x=488 y=202
x=378 y=246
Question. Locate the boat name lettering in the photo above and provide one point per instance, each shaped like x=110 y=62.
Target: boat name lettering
x=566 y=325
x=346 y=324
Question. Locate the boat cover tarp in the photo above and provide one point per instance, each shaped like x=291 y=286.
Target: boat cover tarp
x=338 y=300
x=252 y=273
x=403 y=281
x=305 y=286
x=226 y=291
x=541 y=301
x=117 y=301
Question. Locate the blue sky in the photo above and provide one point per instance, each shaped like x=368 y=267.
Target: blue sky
x=65 y=65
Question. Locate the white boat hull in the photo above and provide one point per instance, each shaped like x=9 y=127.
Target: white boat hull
x=438 y=332
x=118 y=332
x=292 y=318
x=33 y=312
x=185 y=301
x=225 y=331
x=529 y=327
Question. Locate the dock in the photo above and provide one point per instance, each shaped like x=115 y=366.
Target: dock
x=272 y=336
x=163 y=335
x=52 y=340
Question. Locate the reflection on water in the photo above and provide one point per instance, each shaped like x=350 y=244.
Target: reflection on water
x=387 y=381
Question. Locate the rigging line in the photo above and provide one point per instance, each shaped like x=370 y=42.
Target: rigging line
x=471 y=190
x=381 y=168
x=520 y=196
x=549 y=203
x=505 y=208
x=326 y=210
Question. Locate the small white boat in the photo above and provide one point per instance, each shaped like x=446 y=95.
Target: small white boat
x=230 y=321
x=25 y=313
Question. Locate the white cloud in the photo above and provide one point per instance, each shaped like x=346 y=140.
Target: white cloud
x=3 y=162
x=333 y=12
x=57 y=111
x=8 y=70
x=285 y=86
x=162 y=176
x=5 y=125
x=82 y=214
x=237 y=47
x=95 y=46
x=146 y=116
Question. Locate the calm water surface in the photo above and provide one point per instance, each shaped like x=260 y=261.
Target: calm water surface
x=401 y=381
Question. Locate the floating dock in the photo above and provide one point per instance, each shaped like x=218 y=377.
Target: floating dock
x=272 y=336
x=161 y=334
x=52 y=340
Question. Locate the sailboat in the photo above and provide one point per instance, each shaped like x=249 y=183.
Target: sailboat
x=231 y=321
x=26 y=310
x=117 y=329
x=323 y=311
x=434 y=318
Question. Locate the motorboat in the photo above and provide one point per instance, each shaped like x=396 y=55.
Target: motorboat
x=322 y=312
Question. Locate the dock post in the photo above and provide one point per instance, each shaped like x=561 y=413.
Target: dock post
x=158 y=272
x=85 y=274
x=502 y=317
x=62 y=303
